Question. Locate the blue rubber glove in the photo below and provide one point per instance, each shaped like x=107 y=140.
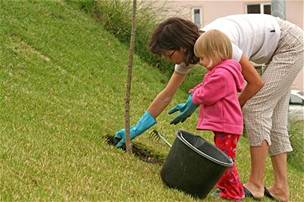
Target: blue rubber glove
x=144 y=123
x=186 y=109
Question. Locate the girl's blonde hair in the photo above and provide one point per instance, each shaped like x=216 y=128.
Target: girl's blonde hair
x=214 y=45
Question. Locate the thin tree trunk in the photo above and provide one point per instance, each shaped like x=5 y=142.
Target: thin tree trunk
x=129 y=79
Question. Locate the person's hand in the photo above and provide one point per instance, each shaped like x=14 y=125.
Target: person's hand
x=185 y=109
x=144 y=123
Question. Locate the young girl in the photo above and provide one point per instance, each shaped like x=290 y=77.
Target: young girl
x=220 y=110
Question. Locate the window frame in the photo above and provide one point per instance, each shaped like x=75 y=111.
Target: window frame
x=201 y=15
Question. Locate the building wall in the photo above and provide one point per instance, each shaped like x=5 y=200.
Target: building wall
x=294 y=14
x=212 y=9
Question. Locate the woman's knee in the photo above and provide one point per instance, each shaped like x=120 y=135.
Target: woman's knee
x=280 y=143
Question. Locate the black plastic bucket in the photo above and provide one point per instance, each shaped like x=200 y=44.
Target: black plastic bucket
x=193 y=165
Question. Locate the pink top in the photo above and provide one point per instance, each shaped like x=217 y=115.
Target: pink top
x=217 y=96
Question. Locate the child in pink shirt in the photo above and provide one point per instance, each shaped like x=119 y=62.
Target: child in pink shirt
x=220 y=110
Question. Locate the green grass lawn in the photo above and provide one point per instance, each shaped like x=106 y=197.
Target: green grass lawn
x=61 y=92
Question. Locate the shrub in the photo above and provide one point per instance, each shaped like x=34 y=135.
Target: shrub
x=115 y=17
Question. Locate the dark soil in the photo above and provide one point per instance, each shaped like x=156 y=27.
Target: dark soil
x=139 y=151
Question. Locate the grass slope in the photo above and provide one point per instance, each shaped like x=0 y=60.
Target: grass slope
x=62 y=90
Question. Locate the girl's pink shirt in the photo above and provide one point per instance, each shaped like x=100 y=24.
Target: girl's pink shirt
x=217 y=96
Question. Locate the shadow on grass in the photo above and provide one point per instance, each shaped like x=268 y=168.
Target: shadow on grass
x=139 y=151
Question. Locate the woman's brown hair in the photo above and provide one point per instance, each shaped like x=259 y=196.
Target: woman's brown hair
x=175 y=34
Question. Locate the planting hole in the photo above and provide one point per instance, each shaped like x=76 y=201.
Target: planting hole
x=139 y=151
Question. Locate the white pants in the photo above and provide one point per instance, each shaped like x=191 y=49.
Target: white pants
x=266 y=114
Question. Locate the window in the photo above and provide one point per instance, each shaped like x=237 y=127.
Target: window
x=259 y=8
x=296 y=100
x=197 y=17
x=267 y=9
